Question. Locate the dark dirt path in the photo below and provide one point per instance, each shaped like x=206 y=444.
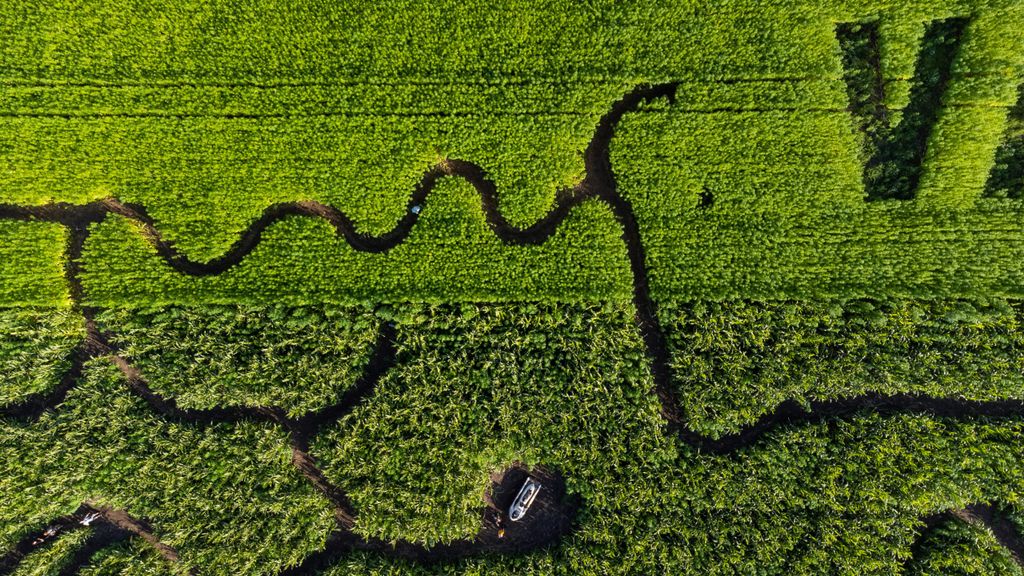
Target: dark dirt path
x=107 y=527
x=982 y=513
x=1002 y=527
x=599 y=184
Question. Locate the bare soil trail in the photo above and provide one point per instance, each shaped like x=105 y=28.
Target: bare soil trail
x=107 y=527
x=980 y=513
x=599 y=184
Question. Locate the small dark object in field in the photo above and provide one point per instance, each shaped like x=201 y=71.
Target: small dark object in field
x=707 y=199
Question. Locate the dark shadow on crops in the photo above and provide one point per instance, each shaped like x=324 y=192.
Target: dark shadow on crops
x=895 y=153
x=1007 y=177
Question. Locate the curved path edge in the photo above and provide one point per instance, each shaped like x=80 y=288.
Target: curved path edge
x=107 y=526
x=598 y=184
x=983 y=514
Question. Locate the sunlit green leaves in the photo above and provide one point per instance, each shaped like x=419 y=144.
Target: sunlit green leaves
x=298 y=359
x=35 y=349
x=735 y=361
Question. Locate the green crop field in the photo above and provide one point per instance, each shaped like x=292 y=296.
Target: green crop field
x=307 y=287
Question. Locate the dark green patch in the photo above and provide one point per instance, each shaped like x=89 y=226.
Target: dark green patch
x=299 y=359
x=895 y=152
x=1007 y=178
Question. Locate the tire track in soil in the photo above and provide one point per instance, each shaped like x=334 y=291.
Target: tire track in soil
x=598 y=184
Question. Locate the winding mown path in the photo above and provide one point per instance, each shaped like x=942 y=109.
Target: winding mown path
x=558 y=511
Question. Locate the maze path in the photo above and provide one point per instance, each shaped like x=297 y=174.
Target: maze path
x=599 y=184
x=107 y=526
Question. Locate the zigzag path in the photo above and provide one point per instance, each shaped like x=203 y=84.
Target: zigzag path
x=555 y=518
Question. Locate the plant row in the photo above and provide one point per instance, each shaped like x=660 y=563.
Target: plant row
x=32 y=259
x=732 y=362
x=162 y=41
x=451 y=251
x=787 y=218
x=206 y=157
x=205 y=180
x=784 y=219
x=889 y=250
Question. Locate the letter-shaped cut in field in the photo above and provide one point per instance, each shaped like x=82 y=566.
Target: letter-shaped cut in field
x=895 y=151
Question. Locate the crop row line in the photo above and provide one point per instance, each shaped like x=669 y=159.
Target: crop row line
x=339 y=114
x=539 y=81
x=559 y=81
x=598 y=184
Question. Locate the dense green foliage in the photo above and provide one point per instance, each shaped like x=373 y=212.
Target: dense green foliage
x=35 y=349
x=259 y=42
x=773 y=277
x=961 y=549
x=760 y=240
x=1007 y=179
x=894 y=151
x=478 y=387
x=451 y=250
x=225 y=496
x=133 y=558
x=364 y=157
x=299 y=359
x=209 y=129
x=735 y=361
x=32 y=264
